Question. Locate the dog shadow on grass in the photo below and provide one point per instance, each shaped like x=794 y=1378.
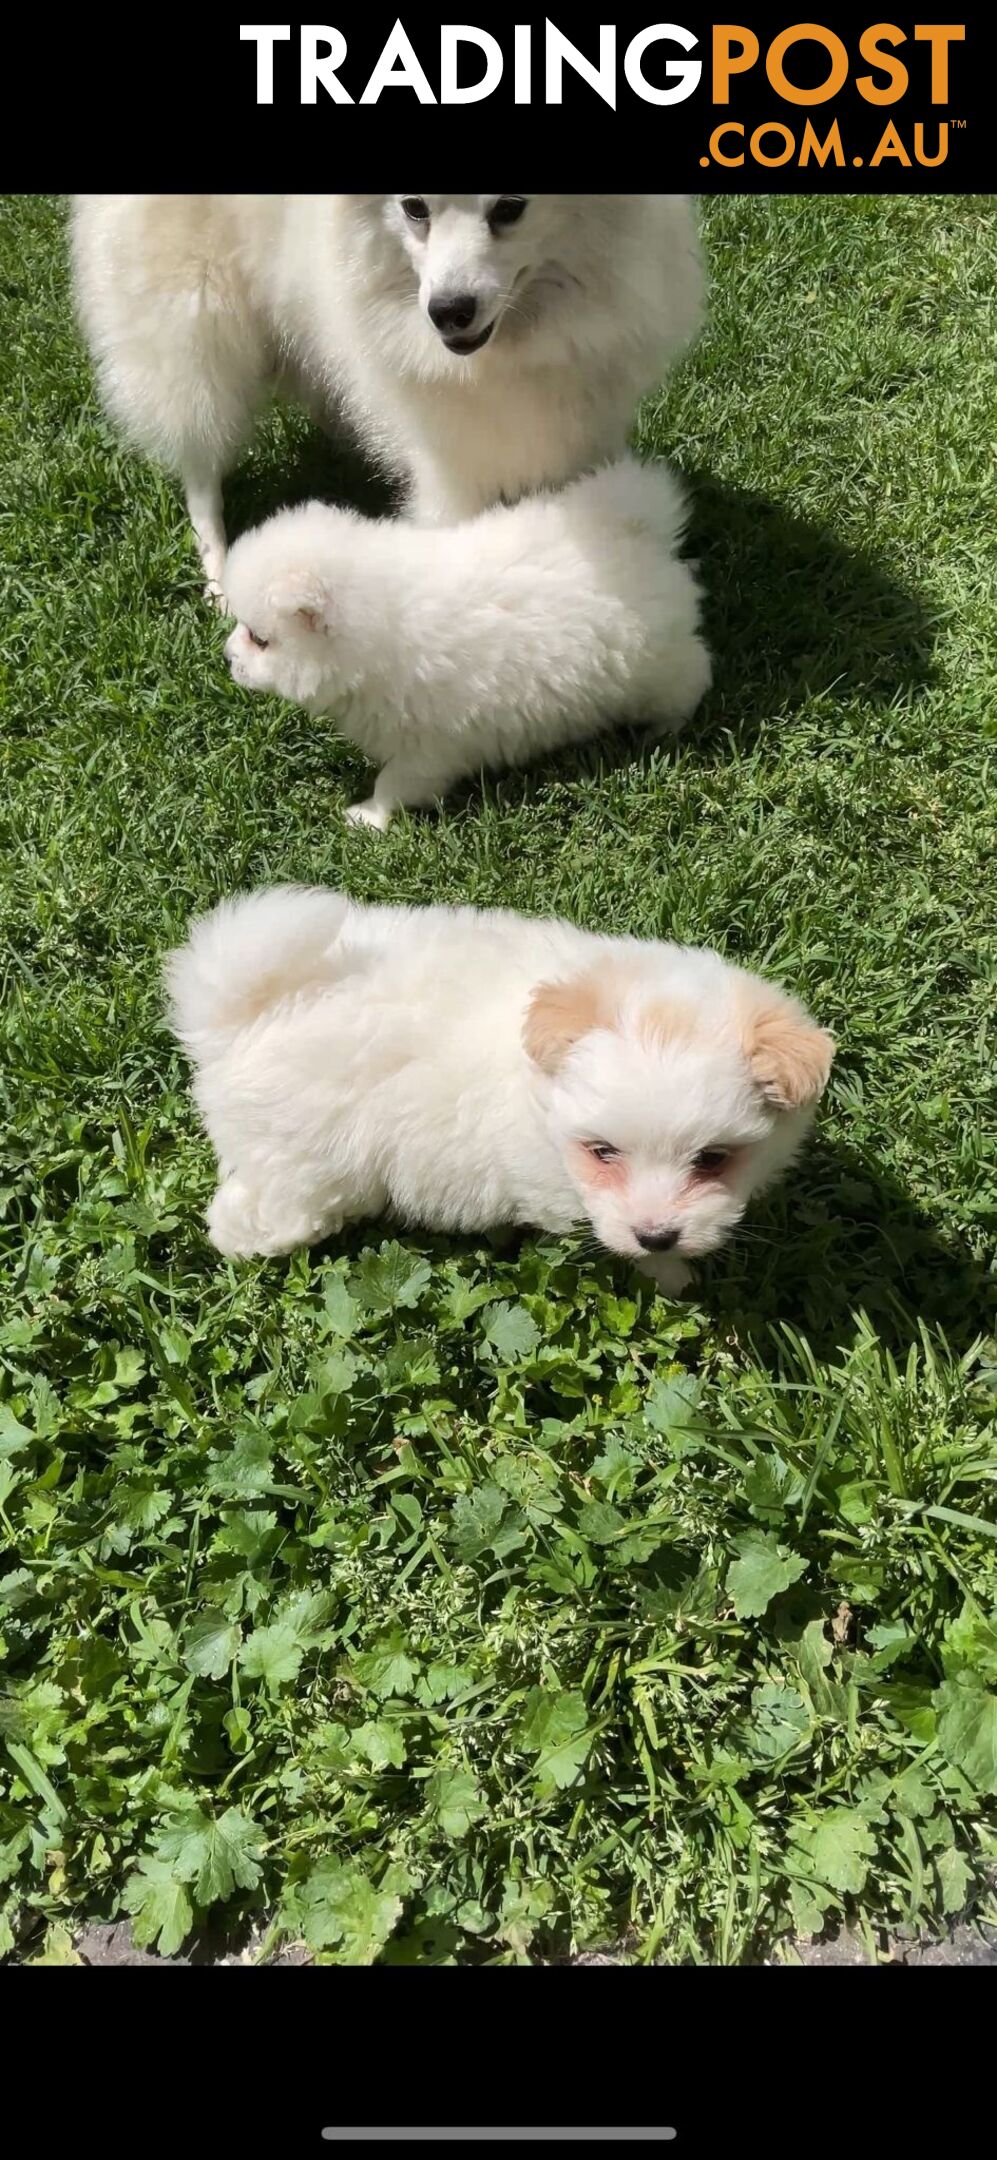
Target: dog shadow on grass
x=291 y=461
x=839 y=1238
x=792 y=612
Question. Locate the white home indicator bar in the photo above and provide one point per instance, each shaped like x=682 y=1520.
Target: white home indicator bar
x=489 y=2132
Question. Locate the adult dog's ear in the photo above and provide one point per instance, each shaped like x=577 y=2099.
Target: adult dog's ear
x=301 y=594
x=790 y=1058
x=559 y=1014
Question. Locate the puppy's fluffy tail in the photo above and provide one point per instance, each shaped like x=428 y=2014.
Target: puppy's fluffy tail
x=641 y=498
x=249 y=954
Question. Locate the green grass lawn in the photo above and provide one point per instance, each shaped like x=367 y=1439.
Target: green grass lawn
x=438 y=1600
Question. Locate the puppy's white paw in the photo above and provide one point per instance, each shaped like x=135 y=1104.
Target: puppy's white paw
x=368 y=813
x=670 y=1275
x=215 y=596
x=233 y=1220
x=245 y=1224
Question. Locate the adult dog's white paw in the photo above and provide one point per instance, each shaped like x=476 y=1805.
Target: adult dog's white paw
x=368 y=813
x=214 y=555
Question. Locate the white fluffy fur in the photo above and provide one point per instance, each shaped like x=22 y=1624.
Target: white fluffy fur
x=192 y=304
x=458 y=1066
x=440 y=652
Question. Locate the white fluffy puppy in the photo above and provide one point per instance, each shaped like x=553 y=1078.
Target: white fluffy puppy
x=471 y=1069
x=480 y=345
x=441 y=652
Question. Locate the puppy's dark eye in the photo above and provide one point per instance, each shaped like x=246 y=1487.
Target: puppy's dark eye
x=506 y=211
x=416 y=209
x=261 y=643
x=710 y=1160
x=602 y=1151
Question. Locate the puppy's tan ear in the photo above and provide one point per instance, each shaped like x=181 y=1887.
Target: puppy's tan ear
x=790 y=1057
x=302 y=593
x=559 y=1014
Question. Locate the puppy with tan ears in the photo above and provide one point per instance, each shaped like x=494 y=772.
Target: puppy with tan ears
x=485 y=644
x=469 y=1070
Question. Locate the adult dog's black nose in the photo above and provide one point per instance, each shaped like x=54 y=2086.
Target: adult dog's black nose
x=455 y=311
x=657 y=1240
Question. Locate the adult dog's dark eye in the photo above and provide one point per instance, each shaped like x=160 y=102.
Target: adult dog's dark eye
x=416 y=209
x=261 y=643
x=602 y=1151
x=507 y=211
x=710 y=1159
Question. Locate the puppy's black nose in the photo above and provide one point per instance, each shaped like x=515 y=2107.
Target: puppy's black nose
x=657 y=1240
x=454 y=311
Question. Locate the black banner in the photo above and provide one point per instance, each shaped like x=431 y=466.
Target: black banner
x=700 y=2062
x=758 y=102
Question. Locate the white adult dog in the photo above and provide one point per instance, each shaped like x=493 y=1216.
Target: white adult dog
x=533 y=625
x=471 y=1069
x=481 y=345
